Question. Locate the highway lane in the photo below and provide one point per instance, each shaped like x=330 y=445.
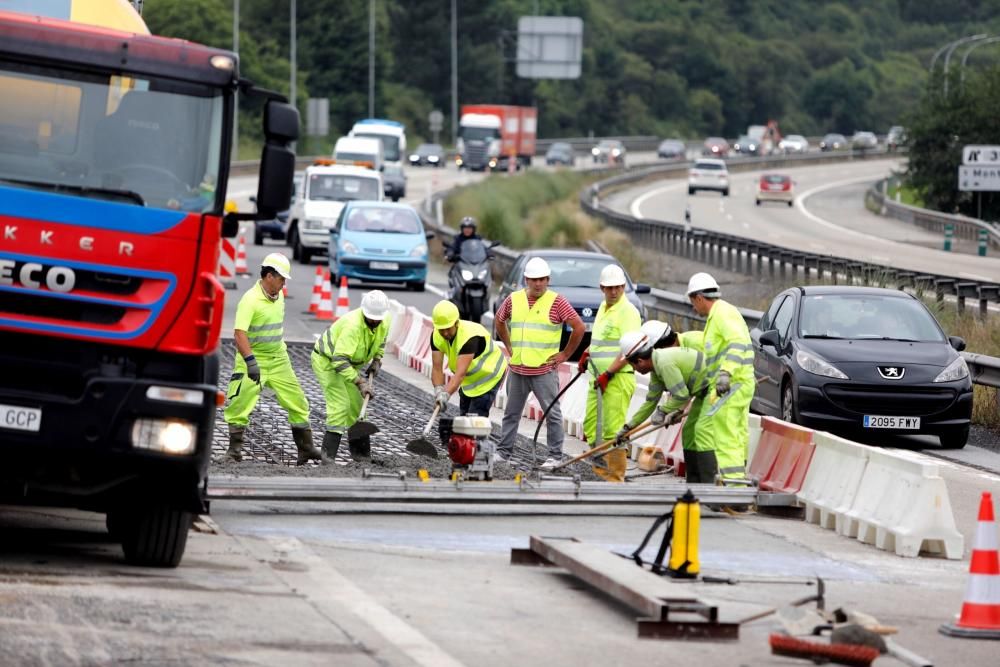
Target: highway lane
x=828 y=217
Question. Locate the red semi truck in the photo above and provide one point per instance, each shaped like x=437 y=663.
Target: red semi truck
x=114 y=160
x=491 y=135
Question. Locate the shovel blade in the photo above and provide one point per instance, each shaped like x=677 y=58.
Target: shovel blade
x=423 y=447
x=361 y=430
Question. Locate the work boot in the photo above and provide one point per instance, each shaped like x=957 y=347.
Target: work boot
x=331 y=443
x=361 y=449
x=236 y=442
x=304 y=443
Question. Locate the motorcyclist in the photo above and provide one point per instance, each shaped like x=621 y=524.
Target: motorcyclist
x=467 y=230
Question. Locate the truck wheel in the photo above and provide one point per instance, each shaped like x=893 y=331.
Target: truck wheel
x=153 y=536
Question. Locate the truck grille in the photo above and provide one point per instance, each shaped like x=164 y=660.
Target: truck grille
x=902 y=401
x=476 y=154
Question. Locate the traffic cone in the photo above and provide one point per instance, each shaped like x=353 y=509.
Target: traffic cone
x=980 y=617
x=325 y=309
x=241 y=258
x=343 y=303
x=317 y=291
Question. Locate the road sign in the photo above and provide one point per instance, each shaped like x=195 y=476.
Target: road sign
x=435 y=118
x=979 y=179
x=549 y=47
x=318 y=117
x=981 y=155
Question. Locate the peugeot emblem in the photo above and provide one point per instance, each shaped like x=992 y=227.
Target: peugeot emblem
x=891 y=372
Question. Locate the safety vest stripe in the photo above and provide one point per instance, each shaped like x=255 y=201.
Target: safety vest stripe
x=264 y=339
x=489 y=378
x=722 y=401
x=478 y=366
x=739 y=360
x=603 y=343
x=264 y=327
x=679 y=389
x=611 y=354
x=730 y=470
x=538 y=326
x=536 y=346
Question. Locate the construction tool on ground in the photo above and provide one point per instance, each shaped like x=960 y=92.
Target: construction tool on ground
x=545 y=413
x=361 y=428
x=422 y=445
x=470 y=449
x=841 y=654
x=642 y=429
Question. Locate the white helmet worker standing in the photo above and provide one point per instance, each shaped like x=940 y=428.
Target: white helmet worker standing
x=537 y=268
x=612 y=276
x=279 y=263
x=703 y=283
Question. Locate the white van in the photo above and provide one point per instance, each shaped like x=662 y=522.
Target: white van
x=391 y=133
x=358 y=150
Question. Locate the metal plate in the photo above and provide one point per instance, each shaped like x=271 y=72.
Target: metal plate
x=20 y=418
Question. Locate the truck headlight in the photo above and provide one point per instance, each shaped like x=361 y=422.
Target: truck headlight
x=956 y=370
x=314 y=223
x=810 y=363
x=170 y=436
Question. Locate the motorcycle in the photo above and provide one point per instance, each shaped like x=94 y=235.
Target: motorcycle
x=470 y=279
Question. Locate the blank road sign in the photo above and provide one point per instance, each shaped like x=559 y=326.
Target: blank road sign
x=979 y=179
x=549 y=47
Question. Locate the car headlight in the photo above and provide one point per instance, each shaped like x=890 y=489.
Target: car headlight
x=810 y=363
x=170 y=436
x=414 y=158
x=419 y=251
x=595 y=151
x=956 y=370
x=348 y=247
x=466 y=274
x=314 y=223
x=432 y=158
x=616 y=152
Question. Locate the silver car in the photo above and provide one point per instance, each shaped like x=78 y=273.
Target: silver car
x=794 y=143
x=864 y=141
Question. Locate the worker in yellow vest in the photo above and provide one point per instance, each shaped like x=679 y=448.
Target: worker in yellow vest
x=477 y=364
x=262 y=361
x=530 y=323
x=613 y=377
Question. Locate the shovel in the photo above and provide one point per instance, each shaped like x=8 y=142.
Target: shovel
x=361 y=428
x=422 y=445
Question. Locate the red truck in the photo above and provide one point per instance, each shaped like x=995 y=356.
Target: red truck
x=114 y=160
x=491 y=135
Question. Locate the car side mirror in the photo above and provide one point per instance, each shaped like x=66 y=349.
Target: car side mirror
x=430 y=235
x=957 y=342
x=642 y=288
x=770 y=338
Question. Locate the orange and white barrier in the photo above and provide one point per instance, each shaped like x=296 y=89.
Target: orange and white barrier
x=325 y=309
x=227 y=263
x=241 y=257
x=317 y=294
x=782 y=456
x=343 y=301
x=980 y=617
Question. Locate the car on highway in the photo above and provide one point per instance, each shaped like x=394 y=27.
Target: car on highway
x=833 y=142
x=746 y=145
x=277 y=227
x=860 y=361
x=429 y=154
x=560 y=153
x=575 y=275
x=793 y=143
x=895 y=138
x=379 y=242
x=609 y=150
x=775 y=187
x=394 y=182
x=715 y=147
x=864 y=141
x=708 y=174
x=671 y=149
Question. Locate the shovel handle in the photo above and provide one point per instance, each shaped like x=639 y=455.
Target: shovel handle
x=364 y=405
x=427 y=429
x=607 y=446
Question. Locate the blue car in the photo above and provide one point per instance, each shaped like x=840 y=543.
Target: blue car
x=380 y=242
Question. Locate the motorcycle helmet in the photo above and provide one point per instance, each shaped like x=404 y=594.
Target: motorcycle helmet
x=468 y=221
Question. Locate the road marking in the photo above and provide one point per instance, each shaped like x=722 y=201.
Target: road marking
x=975 y=276
x=638 y=201
x=434 y=289
x=746 y=225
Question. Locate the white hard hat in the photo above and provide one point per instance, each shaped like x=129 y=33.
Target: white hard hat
x=279 y=263
x=375 y=305
x=633 y=343
x=655 y=330
x=612 y=276
x=703 y=282
x=537 y=268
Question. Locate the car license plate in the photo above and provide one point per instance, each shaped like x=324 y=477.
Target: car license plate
x=881 y=421
x=19 y=418
x=385 y=266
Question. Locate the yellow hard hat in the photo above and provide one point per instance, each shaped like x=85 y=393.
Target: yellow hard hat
x=231 y=206
x=445 y=314
x=279 y=263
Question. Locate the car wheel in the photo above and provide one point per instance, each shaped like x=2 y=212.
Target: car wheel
x=955 y=439
x=789 y=411
x=305 y=254
x=258 y=237
x=293 y=242
x=789 y=204
x=691 y=191
x=725 y=193
x=153 y=536
x=758 y=202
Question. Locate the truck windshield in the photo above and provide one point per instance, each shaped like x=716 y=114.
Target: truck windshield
x=145 y=141
x=342 y=188
x=480 y=133
x=390 y=144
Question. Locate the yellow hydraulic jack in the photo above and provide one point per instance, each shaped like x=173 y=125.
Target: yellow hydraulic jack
x=680 y=537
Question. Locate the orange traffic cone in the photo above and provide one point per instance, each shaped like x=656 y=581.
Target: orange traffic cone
x=317 y=291
x=241 y=258
x=325 y=309
x=980 y=617
x=343 y=303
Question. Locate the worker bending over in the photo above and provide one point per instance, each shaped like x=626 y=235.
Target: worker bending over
x=478 y=366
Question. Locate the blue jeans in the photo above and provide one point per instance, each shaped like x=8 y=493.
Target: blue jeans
x=477 y=405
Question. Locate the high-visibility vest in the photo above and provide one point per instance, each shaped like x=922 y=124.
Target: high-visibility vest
x=693 y=339
x=727 y=343
x=486 y=369
x=263 y=320
x=349 y=344
x=532 y=335
x=682 y=372
x=609 y=326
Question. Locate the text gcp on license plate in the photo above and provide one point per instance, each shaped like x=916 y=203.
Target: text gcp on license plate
x=882 y=421
x=20 y=418
x=385 y=266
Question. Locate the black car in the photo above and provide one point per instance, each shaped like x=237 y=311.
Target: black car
x=671 y=149
x=429 y=154
x=394 y=182
x=861 y=361
x=277 y=227
x=575 y=275
x=560 y=153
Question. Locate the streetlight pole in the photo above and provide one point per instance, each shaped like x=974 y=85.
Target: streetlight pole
x=454 y=72
x=293 y=54
x=954 y=45
x=371 y=58
x=972 y=48
x=236 y=95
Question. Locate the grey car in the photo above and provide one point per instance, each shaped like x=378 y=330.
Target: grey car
x=394 y=182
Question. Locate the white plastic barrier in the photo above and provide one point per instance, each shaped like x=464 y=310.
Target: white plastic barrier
x=753 y=427
x=902 y=505
x=833 y=479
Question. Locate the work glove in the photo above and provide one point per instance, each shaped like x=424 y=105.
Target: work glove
x=602 y=380
x=658 y=418
x=722 y=383
x=675 y=417
x=375 y=366
x=582 y=364
x=364 y=385
x=622 y=436
x=441 y=396
x=253 y=370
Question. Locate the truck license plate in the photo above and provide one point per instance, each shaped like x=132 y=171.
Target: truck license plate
x=881 y=421
x=20 y=418
x=385 y=266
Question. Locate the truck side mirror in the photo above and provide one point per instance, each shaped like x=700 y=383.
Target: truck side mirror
x=277 y=161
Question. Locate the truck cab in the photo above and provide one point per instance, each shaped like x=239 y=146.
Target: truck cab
x=479 y=141
x=326 y=187
x=390 y=133
x=359 y=150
